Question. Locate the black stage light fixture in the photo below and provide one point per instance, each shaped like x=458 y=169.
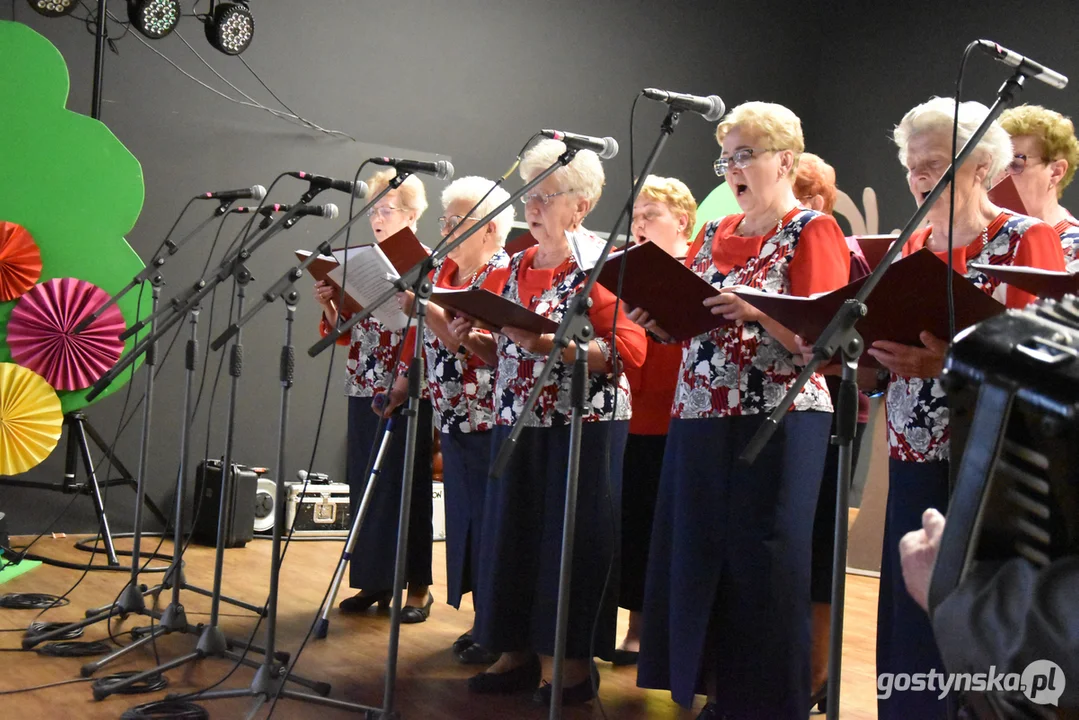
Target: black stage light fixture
x=154 y=18
x=230 y=27
x=54 y=8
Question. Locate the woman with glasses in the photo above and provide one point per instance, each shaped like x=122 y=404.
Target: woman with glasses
x=726 y=608
x=372 y=352
x=522 y=521
x=916 y=404
x=461 y=384
x=663 y=214
x=1045 y=153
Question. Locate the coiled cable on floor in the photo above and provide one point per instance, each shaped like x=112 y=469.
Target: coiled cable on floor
x=108 y=683
x=31 y=601
x=167 y=710
x=74 y=648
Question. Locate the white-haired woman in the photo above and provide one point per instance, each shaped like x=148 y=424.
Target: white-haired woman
x=370 y=364
x=1045 y=154
x=917 y=406
x=726 y=608
x=461 y=384
x=522 y=523
x=663 y=214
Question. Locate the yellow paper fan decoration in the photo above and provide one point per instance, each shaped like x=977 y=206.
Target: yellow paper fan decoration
x=30 y=419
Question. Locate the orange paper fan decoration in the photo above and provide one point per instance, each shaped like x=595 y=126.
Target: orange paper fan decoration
x=30 y=419
x=20 y=261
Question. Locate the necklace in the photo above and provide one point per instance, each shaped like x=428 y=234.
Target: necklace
x=741 y=226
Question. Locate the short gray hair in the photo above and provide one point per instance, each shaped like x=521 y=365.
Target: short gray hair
x=584 y=174
x=470 y=189
x=936 y=115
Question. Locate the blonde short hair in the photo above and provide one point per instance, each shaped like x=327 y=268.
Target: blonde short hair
x=778 y=124
x=936 y=115
x=411 y=192
x=584 y=175
x=1055 y=131
x=673 y=193
x=816 y=177
x=470 y=190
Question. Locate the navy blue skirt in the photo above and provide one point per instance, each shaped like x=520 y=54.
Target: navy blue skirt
x=521 y=551
x=465 y=460
x=727 y=592
x=905 y=642
x=372 y=564
x=640 y=485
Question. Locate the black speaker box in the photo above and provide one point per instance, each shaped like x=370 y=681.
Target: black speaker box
x=239 y=491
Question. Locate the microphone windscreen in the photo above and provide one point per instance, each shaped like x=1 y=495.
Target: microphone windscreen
x=330 y=211
x=717 y=110
x=361 y=189
x=445 y=170
x=610 y=148
x=258 y=192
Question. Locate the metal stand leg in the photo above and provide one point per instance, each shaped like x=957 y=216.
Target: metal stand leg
x=323 y=626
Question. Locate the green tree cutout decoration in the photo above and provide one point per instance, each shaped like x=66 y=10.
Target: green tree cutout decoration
x=67 y=180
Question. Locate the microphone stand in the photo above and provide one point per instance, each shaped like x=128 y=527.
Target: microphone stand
x=416 y=279
x=151 y=269
x=212 y=641
x=575 y=327
x=842 y=336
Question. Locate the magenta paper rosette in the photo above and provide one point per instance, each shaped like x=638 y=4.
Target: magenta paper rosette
x=39 y=333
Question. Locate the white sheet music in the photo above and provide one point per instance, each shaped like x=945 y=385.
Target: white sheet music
x=370 y=274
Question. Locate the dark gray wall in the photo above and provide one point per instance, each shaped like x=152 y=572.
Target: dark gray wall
x=880 y=59
x=469 y=80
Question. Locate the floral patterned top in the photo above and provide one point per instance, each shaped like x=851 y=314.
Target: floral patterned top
x=1068 y=230
x=461 y=391
x=372 y=352
x=547 y=293
x=918 y=407
x=738 y=368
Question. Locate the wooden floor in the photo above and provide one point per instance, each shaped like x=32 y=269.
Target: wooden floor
x=430 y=683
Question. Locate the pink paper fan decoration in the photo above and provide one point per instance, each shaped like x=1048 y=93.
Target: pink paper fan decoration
x=40 y=336
x=20 y=261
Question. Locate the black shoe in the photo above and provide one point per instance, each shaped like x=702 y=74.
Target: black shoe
x=411 y=615
x=820 y=699
x=623 y=658
x=577 y=694
x=520 y=679
x=710 y=712
x=476 y=655
x=360 y=603
x=462 y=643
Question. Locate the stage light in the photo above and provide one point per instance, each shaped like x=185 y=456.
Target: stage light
x=54 y=8
x=230 y=27
x=154 y=18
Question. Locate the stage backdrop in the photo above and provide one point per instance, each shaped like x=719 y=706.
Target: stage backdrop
x=472 y=80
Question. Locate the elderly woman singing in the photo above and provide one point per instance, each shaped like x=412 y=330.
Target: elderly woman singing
x=1045 y=154
x=664 y=214
x=461 y=384
x=726 y=606
x=917 y=406
x=371 y=354
x=522 y=523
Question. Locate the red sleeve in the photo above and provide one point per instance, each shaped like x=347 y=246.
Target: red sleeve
x=821 y=261
x=324 y=330
x=1040 y=248
x=409 y=345
x=695 y=246
x=632 y=342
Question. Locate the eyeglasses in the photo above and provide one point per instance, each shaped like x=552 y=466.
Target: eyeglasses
x=383 y=212
x=647 y=216
x=1019 y=164
x=740 y=159
x=543 y=199
x=453 y=221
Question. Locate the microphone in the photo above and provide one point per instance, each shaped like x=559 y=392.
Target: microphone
x=329 y=210
x=711 y=107
x=606 y=147
x=303 y=475
x=359 y=189
x=1026 y=65
x=441 y=169
x=255 y=191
